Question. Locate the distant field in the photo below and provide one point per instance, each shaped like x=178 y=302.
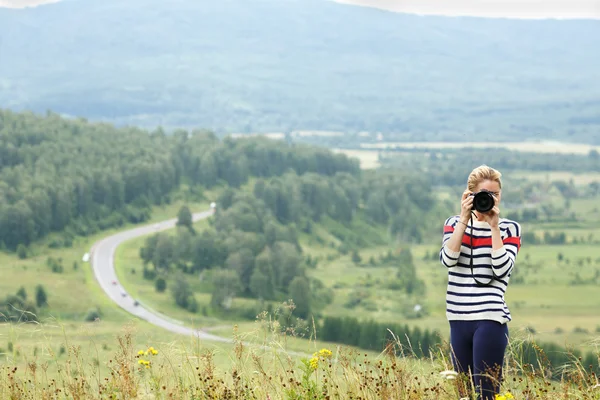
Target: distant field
x=529 y=147
x=281 y=135
x=578 y=179
x=368 y=159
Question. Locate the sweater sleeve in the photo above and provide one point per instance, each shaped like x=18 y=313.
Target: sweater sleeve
x=503 y=259
x=448 y=257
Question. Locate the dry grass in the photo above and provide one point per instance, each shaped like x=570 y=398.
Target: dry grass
x=258 y=367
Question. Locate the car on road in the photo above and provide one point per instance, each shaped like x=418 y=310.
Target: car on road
x=136 y=303
x=123 y=293
x=114 y=282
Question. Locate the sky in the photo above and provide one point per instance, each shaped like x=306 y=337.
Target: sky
x=490 y=8
x=484 y=8
x=24 y=3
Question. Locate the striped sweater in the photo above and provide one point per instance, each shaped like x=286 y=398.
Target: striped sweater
x=465 y=300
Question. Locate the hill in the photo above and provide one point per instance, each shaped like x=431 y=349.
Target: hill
x=261 y=66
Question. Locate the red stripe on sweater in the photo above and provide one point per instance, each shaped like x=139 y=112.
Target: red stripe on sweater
x=513 y=240
x=477 y=242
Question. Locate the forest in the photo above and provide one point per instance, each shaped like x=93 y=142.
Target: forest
x=74 y=177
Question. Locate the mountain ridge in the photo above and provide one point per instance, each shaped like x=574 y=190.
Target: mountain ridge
x=250 y=66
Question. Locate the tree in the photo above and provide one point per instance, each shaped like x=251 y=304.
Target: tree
x=182 y=292
x=286 y=261
x=184 y=218
x=263 y=280
x=226 y=284
x=160 y=285
x=164 y=254
x=41 y=298
x=300 y=294
x=242 y=262
x=260 y=285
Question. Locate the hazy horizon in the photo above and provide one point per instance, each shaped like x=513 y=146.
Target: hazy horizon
x=528 y=9
x=521 y=9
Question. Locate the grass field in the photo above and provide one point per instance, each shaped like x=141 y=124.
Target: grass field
x=71 y=295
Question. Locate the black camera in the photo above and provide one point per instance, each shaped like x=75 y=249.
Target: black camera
x=483 y=201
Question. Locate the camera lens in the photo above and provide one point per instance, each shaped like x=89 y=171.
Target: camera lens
x=483 y=201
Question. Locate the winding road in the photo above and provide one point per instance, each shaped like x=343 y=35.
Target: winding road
x=102 y=257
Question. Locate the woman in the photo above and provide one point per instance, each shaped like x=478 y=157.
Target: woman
x=479 y=250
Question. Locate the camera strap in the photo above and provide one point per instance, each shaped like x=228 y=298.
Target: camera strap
x=471 y=260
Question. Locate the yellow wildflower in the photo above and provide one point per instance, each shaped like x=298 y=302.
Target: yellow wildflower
x=314 y=363
x=145 y=363
x=141 y=353
x=152 y=351
x=325 y=353
x=506 y=396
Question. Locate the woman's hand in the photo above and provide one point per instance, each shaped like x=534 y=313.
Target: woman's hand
x=492 y=217
x=466 y=206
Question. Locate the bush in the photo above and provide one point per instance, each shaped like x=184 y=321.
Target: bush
x=22 y=293
x=55 y=244
x=531 y=330
x=41 y=298
x=92 y=315
x=192 y=305
x=149 y=274
x=160 y=285
x=22 y=251
x=15 y=308
x=580 y=330
x=55 y=265
x=356 y=258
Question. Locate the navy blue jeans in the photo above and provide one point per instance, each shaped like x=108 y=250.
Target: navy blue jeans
x=478 y=350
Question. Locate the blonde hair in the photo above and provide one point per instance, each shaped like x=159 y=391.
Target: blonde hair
x=483 y=173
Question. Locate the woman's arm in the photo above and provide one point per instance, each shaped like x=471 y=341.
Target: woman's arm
x=504 y=252
x=454 y=230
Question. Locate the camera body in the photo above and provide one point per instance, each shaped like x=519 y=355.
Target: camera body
x=483 y=201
